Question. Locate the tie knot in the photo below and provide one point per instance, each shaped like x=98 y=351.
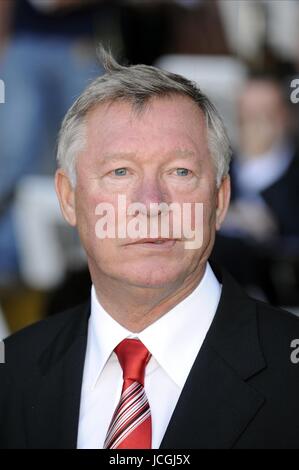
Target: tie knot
x=133 y=357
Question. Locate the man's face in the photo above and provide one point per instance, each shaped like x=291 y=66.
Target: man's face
x=263 y=118
x=158 y=155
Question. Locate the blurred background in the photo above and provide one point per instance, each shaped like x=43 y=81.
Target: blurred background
x=243 y=53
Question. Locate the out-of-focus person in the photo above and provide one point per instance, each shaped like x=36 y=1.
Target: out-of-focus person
x=46 y=58
x=265 y=171
x=265 y=174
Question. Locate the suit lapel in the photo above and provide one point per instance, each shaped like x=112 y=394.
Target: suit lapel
x=217 y=402
x=52 y=399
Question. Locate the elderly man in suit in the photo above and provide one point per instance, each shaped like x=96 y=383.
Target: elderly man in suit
x=168 y=353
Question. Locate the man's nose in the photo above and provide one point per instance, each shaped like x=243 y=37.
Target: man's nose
x=150 y=193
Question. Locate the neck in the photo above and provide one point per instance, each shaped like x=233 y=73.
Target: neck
x=136 y=307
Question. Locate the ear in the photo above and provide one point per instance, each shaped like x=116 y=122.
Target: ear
x=223 y=199
x=66 y=196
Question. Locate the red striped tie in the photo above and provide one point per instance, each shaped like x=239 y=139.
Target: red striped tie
x=131 y=424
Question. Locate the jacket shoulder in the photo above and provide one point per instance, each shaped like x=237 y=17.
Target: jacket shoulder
x=26 y=345
x=273 y=316
x=279 y=334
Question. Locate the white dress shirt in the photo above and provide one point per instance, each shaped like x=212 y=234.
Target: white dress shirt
x=174 y=341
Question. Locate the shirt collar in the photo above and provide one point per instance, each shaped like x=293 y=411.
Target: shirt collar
x=174 y=340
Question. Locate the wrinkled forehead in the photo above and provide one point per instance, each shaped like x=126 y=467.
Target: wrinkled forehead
x=163 y=129
x=178 y=116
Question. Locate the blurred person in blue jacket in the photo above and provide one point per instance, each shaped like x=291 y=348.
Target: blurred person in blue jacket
x=47 y=58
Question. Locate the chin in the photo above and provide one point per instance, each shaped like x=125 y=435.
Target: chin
x=155 y=278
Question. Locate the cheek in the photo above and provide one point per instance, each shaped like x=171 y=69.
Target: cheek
x=88 y=198
x=209 y=221
x=87 y=201
x=207 y=202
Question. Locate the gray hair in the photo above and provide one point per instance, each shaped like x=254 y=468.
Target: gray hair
x=137 y=84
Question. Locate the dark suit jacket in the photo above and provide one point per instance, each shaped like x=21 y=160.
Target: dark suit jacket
x=242 y=391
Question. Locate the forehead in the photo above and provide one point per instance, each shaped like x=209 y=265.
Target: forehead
x=163 y=122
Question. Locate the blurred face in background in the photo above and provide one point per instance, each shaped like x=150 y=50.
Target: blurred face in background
x=263 y=118
x=157 y=155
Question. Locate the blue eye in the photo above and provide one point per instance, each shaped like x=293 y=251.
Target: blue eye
x=182 y=171
x=120 y=171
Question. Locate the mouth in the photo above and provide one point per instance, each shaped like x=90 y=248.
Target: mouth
x=155 y=243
